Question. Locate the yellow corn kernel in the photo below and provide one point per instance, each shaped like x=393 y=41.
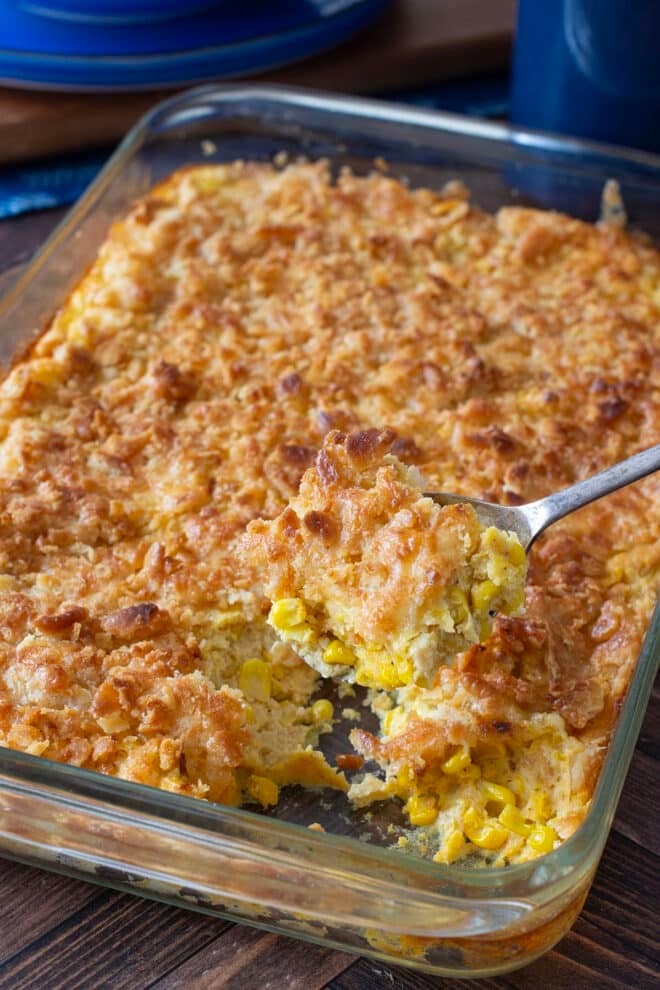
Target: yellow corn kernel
x=117 y=722
x=516 y=601
x=172 y=782
x=516 y=553
x=263 y=790
x=492 y=750
x=512 y=819
x=377 y=668
x=482 y=594
x=543 y=838
x=459 y=761
x=404 y=671
x=451 y=847
x=37 y=747
x=394 y=721
x=338 y=652
x=459 y=605
x=254 y=680
x=616 y=569
x=286 y=613
x=473 y=818
x=542 y=806
x=518 y=785
x=227 y=617
x=493 y=539
x=46 y=371
x=496 y=792
x=498 y=568
x=248 y=711
x=207 y=180
x=405 y=778
x=302 y=634
x=385 y=678
x=422 y=810
x=322 y=710
x=494 y=769
x=486 y=834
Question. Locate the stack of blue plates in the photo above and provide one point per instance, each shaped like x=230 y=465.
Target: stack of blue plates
x=133 y=44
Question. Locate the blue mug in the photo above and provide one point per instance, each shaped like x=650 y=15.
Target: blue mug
x=589 y=68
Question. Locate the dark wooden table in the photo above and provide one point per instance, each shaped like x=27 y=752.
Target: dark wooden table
x=61 y=933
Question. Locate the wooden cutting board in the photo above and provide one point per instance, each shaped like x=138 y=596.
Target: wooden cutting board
x=413 y=42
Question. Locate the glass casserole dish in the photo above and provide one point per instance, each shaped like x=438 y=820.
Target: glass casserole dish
x=268 y=871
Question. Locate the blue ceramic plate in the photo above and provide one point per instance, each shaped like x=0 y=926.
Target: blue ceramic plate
x=229 y=40
x=114 y=11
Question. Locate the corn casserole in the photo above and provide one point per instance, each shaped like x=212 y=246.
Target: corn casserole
x=236 y=323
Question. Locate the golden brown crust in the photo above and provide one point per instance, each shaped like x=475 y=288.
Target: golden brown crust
x=234 y=318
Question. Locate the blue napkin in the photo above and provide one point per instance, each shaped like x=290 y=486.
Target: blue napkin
x=55 y=182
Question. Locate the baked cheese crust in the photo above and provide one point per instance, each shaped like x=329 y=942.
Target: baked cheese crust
x=231 y=320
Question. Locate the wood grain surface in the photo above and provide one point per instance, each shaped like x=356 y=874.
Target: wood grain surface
x=62 y=934
x=413 y=42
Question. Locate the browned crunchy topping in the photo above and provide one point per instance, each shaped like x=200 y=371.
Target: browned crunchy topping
x=231 y=320
x=349 y=761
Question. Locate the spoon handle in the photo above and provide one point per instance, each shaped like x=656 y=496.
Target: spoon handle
x=545 y=511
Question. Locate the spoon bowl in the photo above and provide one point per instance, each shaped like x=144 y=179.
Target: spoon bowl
x=530 y=520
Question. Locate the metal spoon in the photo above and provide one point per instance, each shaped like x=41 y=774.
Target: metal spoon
x=528 y=521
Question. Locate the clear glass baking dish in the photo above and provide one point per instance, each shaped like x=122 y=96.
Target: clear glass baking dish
x=270 y=870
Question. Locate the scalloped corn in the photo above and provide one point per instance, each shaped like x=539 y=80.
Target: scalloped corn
x=230 y=322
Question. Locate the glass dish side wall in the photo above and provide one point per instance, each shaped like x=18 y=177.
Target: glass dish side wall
x=235 y=862
x=334 y=892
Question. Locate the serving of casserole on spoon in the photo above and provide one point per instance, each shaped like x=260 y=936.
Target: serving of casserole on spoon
x=375 y=581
